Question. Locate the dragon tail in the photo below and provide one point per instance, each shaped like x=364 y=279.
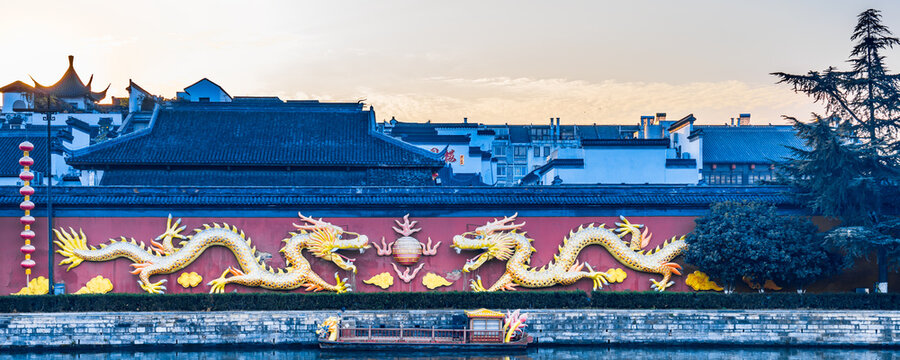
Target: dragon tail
x=73 y=246
x=69 y=244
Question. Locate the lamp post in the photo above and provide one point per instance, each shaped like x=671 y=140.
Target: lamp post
x=48 y=112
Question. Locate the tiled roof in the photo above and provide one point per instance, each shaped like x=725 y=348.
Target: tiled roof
x=519 y=135
x=70 y=86
x=625 y=142
x=605 y=131
x=607 y=196
x=17 y=86
x=224 y=134
x=436 y=139
x=259 y=177
x=10 y=153
x=746 y=144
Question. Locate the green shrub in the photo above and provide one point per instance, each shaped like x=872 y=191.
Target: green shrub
x=444 y=300
x=294 y=301
x=709 y=300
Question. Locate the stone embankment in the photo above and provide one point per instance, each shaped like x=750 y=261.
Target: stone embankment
x=569 y=327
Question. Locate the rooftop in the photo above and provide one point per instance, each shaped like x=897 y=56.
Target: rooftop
x=257 y=134
x=442 y=197
x=71 y=86
x=747 y=144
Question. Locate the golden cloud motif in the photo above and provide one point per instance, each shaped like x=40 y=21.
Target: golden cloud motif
x=383 y=280
x=189 y=279
x=97 y=285
x=37 y=286
x=616 y=275
x=699 y=281
x=434 y=281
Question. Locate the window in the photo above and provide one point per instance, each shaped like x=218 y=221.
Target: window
x=519 y=171
x=536 y=151
x=501 y=170
x=546 y=151
x=520 y=152
x=540 y=133
x=499 y=150
x=757 y=177
x=203 y=99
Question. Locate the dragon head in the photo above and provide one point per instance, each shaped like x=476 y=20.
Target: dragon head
x=325 y=239
x=328 y=328
x=493 y=238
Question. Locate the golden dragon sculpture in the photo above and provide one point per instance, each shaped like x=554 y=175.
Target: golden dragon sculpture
x=502 y=240
x=319 y=237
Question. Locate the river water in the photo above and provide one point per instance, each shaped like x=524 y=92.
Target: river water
x=550 y=353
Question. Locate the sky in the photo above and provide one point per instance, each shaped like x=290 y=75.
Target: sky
x=516 y=62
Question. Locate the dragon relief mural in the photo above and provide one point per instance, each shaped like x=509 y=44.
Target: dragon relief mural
x=503 y=240
x=318 y=237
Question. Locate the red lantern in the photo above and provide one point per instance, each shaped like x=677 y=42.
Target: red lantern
x=27 y=249
x=26 y=220
x=27 y=263
x=26 y=161
x=26 y=205
x=26 y=190
x=27 y=234
x=26 y=175
x=26 y=146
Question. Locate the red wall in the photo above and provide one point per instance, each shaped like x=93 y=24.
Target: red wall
x=267 y=234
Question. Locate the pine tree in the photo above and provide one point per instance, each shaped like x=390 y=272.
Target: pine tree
x=851 y=155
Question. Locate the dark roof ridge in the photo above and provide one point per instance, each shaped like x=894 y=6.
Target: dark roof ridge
x=211 y=82
x=391 y=140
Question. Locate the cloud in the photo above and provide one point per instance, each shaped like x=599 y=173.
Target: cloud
x=527 y=100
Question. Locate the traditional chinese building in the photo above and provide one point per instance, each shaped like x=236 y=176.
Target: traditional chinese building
x=257 y=143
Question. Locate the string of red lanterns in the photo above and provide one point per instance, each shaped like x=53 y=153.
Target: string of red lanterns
x=27 y=205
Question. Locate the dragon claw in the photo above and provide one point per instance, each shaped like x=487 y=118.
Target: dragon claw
x=661 y=285
x=217 y=286
x=476 y=285
x=154 y=288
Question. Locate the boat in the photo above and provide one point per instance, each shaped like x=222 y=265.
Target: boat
x=486 y=330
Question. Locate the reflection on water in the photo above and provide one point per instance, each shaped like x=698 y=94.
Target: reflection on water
x=550 y=353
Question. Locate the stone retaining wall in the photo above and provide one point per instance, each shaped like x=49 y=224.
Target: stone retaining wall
x=589 y=326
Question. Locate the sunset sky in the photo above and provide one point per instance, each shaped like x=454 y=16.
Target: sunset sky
x=491 y=61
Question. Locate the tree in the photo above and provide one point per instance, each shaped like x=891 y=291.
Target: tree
x=851 y=157
x=750 y=239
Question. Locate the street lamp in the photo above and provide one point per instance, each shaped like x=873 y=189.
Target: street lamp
x=48 y=112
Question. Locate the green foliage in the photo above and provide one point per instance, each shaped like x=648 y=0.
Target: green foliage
x=442 y=300
x=750 y=239
x=709 y=300
x=829 y=175
x=852 y=159
x=294 y=301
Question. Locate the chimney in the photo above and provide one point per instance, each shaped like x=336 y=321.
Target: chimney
x=744 y=119
x=558 y=130
x=732 y=121
x=552 y=130
x=465 y=120
x=660 y=117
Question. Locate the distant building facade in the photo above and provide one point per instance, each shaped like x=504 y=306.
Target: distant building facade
x=655 y=151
